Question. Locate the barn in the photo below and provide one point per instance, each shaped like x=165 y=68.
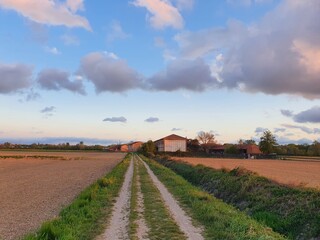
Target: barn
x=171 y=143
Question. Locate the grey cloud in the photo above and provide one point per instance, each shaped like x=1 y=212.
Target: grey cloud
x=193 y=75
x=32 y=95
x=277 y=55
x=115 y=119
x=311 y=115
x=14 y=77
x=116 y=32
x=152 y=119
x=303 y=128
x=70 y=40
x=176 y=129
x=286 y=113
x=260 y=130
x=108 y=73
x=48 y=109
x=279 y=130
x=53 y=79
x=38 y=32
x=197 y=44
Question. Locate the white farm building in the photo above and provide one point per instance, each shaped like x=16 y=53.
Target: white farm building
x=171 y=143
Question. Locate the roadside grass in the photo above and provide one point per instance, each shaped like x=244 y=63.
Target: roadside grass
x=220 y=220
x=85 y=217
x=293 y=212
x=157 y=216
x=134 y=205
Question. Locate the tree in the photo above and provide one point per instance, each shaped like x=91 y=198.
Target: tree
x=205 y=137
x=267 y=142
x=148 y=148
x=250 y=141
x=193 y=145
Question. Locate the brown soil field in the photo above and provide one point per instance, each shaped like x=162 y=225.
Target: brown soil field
x=34 y=189
x=293 y=173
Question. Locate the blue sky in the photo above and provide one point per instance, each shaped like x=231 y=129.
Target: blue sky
x=118 y=71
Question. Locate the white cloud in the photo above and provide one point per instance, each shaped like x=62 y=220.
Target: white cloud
x=164 y=14
x=49 y=12
x=52 y=50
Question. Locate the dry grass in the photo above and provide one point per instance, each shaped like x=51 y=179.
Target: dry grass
x=294 y=173
x=34 y=190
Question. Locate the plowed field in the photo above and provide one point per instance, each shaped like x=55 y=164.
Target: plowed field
x=288 y=172
x=35 y=186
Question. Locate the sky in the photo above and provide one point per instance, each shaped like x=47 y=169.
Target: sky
x=116 y=71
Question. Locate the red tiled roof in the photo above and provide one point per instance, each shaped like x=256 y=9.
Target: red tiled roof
x=172 y=137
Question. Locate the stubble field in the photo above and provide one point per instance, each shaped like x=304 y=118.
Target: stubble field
x=296 y=173
x=35 y=186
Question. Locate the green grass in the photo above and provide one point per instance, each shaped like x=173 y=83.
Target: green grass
x=220 y=220
x=293 y=212
x=157 y=216
x=134 y=205
x=85 y=217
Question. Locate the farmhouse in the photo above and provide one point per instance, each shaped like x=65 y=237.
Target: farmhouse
x=134 y=146
x=171 y=143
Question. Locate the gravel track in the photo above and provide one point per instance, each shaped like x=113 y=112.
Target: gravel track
x=184 y=222
x=35 y=190
x=118 y=228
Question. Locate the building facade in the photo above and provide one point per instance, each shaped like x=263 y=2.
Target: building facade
x=171 y=143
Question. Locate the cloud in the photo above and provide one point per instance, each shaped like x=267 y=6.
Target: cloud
x=164 y=14
x=48 y=109
x=108 y=73
x=302 y=128
x=260 y=130
x=311 y=115
x=49 y=12
x=32 y=95
x=70 y=40
x=287 y=40
x=14 y=77
x=176 y=129
x=193 y=75
x=116 y=32
x=152 y=120
x=279 y=130
x=286 y=113
x=54 y=79
x=197 y=44
x=52 y=50
x=115 y=119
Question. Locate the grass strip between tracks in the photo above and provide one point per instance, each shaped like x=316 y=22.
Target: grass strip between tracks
x=161 y=225
x=220 y=220
x=85 y=217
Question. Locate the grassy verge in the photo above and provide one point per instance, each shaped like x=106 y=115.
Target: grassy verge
x=294 y=212
x=220 y=220
x=134 y=205
x=157 y=216
x=84 y=218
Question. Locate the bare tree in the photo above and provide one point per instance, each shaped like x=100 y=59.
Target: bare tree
x=206 y=138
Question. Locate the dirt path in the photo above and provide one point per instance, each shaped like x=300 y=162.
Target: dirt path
x=179 y=215
x=119 y=224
